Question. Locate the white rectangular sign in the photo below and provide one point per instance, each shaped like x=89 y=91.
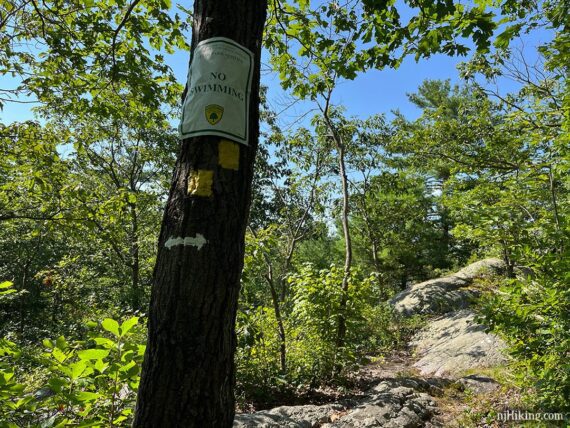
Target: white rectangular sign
x=218 y=91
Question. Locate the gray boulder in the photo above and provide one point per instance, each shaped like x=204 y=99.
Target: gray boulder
x=263 y=419
x=490 y=266
x=392 y=403
x=288 y=416
x=448 y=346
x=455 y=343
x=479 y=384
x=442 y=295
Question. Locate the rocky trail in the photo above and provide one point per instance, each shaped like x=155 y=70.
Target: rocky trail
x=451 y=353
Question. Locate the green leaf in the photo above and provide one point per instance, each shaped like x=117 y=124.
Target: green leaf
x=128 y=325
x=127 y=366
x=141 y=349
x=56 y=383
x=5 y=288
x=503 y=39
x=77 y=369
x=87 y=396
x=93 y=354
x=61 y=343
x=103 y=341
x=5 y=284
x=6 y=376
x=64 y=423
x=100 y=366
x=89 y=423
x=120 y=419
x=111 y=326
x=59 y=355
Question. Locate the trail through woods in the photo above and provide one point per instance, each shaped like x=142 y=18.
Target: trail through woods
x=443 y=379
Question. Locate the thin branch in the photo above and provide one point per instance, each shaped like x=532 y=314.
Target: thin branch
x=41 y=17
x=118 y=30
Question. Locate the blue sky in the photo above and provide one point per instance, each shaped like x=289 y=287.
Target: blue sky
x=379 y=91
x=370 y=93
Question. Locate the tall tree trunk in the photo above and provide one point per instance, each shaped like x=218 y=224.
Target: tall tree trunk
x=508 y=260
x=370 y=233
x=23 y=299
x=270 y=279
x=553 y=198
x=341 y=150
x=136 y=292
x=188 y=374
x=341 y=327
x=444 y=176
x=279 y=319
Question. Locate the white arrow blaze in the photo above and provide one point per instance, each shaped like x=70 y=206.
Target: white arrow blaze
x=198 y=241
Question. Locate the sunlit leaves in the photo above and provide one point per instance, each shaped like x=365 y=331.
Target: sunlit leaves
x=93 y=354
x=127 y=325
x=11 y=391
x=111 y=326
x=88 y=385
x=6 y=288
x=532 y=314
x=313 y=45
x=32 y=173
x=82 y=49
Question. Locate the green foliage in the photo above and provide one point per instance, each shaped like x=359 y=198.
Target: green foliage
x=33 y=177
x=69 y=50
x=257 y=355
x=81 y=194
x=79 y=206
x=505 y=165
x=311 y=329
x=317 y=297
x=396 y=229
x=533 y=314
x=313 y=45
x=89 y=383
x=6 y=288
x=11 y=391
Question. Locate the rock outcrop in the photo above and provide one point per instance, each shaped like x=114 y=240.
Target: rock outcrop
x=289 y=416
x=441 y=295
x=393 y=403
x=455 y=343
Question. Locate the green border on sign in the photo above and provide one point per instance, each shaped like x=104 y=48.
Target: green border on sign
x=242 y=140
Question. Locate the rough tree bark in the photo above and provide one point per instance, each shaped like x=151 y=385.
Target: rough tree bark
x=188 y=373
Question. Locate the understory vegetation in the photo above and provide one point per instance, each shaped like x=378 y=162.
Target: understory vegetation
x=346 y=212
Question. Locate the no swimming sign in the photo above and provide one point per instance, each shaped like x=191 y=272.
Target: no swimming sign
x=219 y=86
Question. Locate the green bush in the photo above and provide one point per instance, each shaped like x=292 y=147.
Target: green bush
x=11 y=391
x=257 y=354
x=311 y=323
x=317 y=296
x=533 y=315
x=90 y=383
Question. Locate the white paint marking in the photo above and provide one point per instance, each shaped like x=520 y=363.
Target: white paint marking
x=198 y=241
